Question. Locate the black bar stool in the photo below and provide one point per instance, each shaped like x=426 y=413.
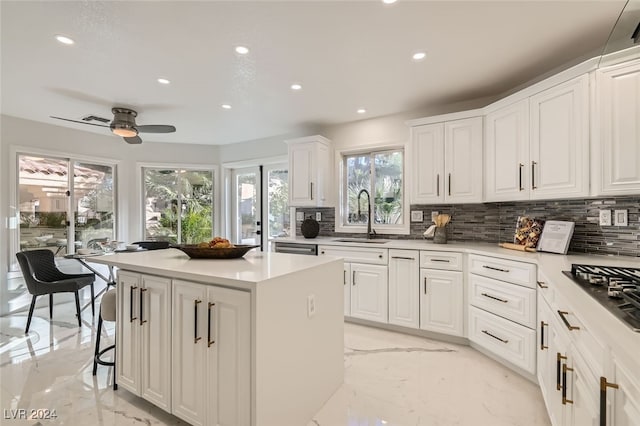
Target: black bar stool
x=107 y=313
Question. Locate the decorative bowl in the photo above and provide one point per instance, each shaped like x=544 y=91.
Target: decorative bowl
x=195 y=252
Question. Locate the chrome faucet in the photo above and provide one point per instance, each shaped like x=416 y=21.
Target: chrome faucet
x=370 y=233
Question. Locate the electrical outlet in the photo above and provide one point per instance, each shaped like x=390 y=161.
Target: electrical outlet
x=299 y=216
x=605 y=217
x=620 y=218
x=417 y=216
x=433 y=216
x=311 y=305
x=318 y=216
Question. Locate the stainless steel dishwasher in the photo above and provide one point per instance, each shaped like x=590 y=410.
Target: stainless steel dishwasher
x=297 y=248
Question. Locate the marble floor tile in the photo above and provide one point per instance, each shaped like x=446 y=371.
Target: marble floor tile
x=390 y=379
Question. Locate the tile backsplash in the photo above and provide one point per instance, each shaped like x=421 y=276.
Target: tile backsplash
x=495 y=222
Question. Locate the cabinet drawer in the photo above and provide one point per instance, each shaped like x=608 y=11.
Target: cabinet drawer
x=506 y=270
x=376 y=256
x=506 y=300
x=441 y=260
x=506 y=339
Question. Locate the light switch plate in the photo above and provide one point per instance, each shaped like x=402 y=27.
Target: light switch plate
x=605 y=217
x=620 y=218
x=417 y=216
x=300 y=216
x=318 y=216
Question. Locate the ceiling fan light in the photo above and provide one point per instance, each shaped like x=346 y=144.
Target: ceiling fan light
x=125 y=132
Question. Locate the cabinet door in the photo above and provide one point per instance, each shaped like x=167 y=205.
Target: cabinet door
x=581 y=402
x=507 y=153
x=188 y=352
x=155 y=321
x=404 y=288
x=623 y=403
x=228 y=346
x=441 y=301
x=463 y=160
x=618 y=108
x=128 y=332
x=301 y=172
x=427 y=147
x=559 y=144
x=547 y=369
x=369 y=292
x=346 y=282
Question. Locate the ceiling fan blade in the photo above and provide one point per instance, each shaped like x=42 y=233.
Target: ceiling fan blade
x=133 y=140
x=80 y=122
x=156 y=128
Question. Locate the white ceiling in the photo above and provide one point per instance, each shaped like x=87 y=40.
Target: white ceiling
x=346 y=54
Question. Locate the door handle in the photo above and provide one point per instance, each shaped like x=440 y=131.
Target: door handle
x=542 y=326
x=559 y=358
x=438 y=184
x=449 y=184
x=209 y=341
x=142 y=290
x=565 y=401
x=195 y=321
x=131 y=317
x=533 y=175
x=520 y=166
x=604 y=384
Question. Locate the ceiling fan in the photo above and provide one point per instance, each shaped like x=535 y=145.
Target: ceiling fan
x=124 y=124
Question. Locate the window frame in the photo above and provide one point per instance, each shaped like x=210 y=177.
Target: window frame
x=385 y=229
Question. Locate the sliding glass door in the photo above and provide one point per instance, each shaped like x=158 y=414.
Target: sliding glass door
x=178 y=205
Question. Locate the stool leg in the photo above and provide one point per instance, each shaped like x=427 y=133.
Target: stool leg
x=33 y=304
x=115 y=385
x=78 y=309
x=93 y=301
x=95 y=357
x=50 y=306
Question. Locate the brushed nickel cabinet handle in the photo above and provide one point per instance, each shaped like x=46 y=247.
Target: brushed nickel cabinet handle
x=311 y=190
x=604 y=384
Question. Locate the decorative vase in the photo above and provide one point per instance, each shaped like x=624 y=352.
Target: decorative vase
x=310 y=228
x=440 y=236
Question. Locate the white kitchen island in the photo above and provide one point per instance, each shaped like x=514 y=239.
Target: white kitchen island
x=251 y=341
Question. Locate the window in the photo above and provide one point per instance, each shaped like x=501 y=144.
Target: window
x=178 y=205
x=380 y=174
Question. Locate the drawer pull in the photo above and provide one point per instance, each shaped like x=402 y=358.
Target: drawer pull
x=603 y=399
x=542 y=326
x=495 y=337
x=541 y=284
x=400 y=257
x=494 y=298
x=565 y=401
x=322 y=252
x=559 y=358
x=495 y=269
x=566 y=322
x=441 y=260
x=380 y=256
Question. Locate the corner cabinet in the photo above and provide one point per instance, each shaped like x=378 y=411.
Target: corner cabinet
x=144 y=338
x=617 y=130
x=447 y=162
x=211 y=355
x=310 y=172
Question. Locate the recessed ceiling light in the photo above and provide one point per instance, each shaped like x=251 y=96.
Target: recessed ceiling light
x=242 y=50
x=389 y=1
x=361 y=111
x=418 y=56
x=64 y=39
x=296 y=86
x=163 y=81
x=226 y=106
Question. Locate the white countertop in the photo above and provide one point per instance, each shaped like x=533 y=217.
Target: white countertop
x=245 y=272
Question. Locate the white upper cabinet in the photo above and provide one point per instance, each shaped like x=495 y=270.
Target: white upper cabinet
x=559 y=140
x=617 y=130
x=447 y=162
x=310 y=172
x=507 y=153
x=428 y=163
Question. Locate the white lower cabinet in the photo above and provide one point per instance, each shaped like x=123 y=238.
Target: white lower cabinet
x=404 y=288
x=143 y=337
x=621 y=395
x=369 y=292
x=211 y=355
x=441 y=301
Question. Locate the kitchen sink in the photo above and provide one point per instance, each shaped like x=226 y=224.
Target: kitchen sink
x=360 y=240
